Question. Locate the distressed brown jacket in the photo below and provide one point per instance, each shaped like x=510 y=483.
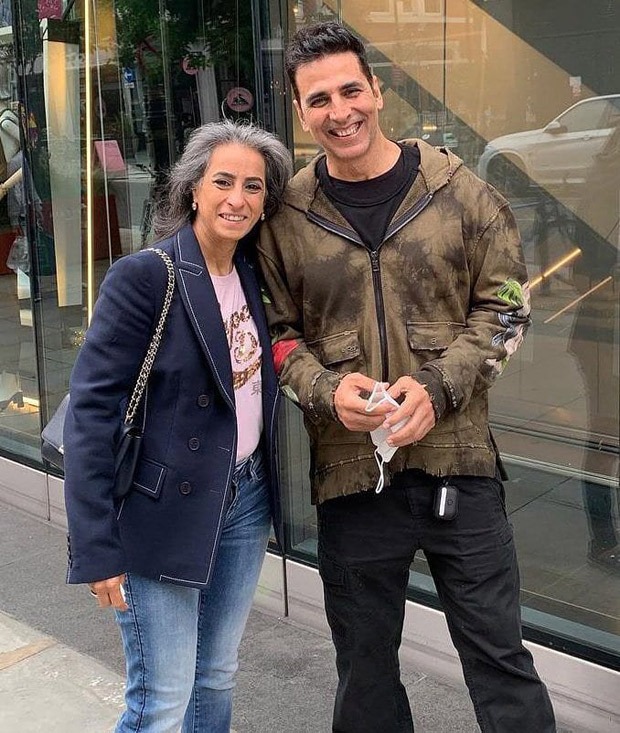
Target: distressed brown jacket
x=444 y=299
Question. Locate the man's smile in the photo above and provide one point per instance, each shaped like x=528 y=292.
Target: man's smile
x=346 y=131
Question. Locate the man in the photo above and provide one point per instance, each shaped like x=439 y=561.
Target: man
x=392 y=265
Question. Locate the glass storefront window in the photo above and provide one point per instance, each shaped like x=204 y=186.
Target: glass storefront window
x=19 y=391
x=528 y=95
x=109 y=91
x=97 y=98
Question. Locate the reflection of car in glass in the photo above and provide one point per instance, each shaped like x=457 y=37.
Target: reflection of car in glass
x=440 y=135
x=304 y=152
x=558 y=154
x=437 y=136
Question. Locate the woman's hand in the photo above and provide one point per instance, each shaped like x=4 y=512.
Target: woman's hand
x=110 y=592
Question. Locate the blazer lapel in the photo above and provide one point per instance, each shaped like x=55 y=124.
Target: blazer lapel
x=203 y=309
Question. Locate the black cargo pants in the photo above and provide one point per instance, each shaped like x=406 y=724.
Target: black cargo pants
x=367 y=542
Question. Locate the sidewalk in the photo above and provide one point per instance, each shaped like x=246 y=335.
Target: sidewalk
x=61 y=661
x=45 y=686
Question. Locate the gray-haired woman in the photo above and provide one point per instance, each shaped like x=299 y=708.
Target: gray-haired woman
x=180 y=556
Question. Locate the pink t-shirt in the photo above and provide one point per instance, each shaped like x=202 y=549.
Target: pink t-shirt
x=245 y=358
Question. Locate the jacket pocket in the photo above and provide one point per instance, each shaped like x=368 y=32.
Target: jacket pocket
x=427 y=341
x=432 y=337
x=149 y=478
x=339 y=352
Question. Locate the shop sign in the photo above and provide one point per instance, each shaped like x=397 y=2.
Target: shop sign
x=575 y=86
x=129 y=76
x=187 y=64
x=109 y=156
x=50 y=9
x=240 y=99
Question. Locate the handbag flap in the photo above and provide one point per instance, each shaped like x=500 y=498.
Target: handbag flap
x=52 y=442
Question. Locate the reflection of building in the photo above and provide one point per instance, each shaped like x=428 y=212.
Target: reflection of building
x=463 y=77
x=6 y=17
x=592 y=55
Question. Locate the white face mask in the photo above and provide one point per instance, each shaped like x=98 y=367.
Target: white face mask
x=379 y=436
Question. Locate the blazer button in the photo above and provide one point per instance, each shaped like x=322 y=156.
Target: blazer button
x=203 y=400
x=193 y=444
x=185 y=488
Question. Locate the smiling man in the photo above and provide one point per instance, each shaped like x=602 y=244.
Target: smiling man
x=398 y=293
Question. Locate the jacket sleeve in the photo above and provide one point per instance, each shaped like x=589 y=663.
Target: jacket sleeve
x=302 y=376
x=102 y=378
x=497 y=321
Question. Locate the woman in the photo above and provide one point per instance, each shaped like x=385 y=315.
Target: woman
x=179 y=557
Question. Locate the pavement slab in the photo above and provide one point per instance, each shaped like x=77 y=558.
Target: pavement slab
x=46 y=687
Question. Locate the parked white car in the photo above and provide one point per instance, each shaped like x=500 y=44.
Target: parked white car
x=558 y=154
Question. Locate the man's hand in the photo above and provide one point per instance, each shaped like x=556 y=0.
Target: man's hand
x=417 y=406
x=350 y=405
x=109 y=592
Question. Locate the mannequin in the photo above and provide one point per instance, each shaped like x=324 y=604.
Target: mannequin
x=9 y=132
x=10 y=384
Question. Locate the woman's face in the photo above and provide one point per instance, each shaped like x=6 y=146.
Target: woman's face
x=231 y=194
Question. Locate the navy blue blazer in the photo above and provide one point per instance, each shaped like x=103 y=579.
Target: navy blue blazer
x=169 y=525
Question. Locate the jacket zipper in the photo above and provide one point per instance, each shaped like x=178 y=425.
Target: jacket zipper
x=380 y=307
x=343 y=232
x=408 y=216
x=352 y=236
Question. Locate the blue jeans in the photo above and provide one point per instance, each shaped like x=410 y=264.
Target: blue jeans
x=181 y=643
x=367 y=542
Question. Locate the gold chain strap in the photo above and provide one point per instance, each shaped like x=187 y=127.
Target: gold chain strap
x=149 y=359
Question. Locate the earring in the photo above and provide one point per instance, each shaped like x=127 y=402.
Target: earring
x=194 y=206
x=262 y=216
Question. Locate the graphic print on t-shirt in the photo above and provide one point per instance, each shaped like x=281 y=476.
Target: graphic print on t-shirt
x=245 y=360
x=244 y=347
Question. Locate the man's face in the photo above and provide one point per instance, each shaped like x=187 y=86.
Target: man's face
x=339 y=107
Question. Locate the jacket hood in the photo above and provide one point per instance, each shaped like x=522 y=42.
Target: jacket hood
x=437 y=166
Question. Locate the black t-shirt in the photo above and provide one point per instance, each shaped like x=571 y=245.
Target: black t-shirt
x=369 y=205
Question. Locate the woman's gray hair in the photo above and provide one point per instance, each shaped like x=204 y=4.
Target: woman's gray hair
x=174 y=208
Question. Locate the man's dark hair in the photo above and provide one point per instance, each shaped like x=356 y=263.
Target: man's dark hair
x=314 y=42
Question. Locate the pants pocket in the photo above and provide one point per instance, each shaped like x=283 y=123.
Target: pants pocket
x=233 y=498
x=498 y=488
x=331 y=572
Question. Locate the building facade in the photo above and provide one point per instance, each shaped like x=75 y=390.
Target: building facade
x=97 y=98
